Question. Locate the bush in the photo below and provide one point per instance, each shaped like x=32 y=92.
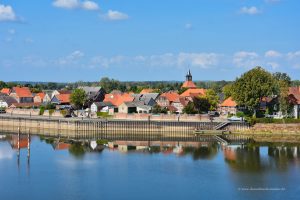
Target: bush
x=103 y=114
x=51 y=111
x=240 y=114
x=42 y=110
x=63 y=113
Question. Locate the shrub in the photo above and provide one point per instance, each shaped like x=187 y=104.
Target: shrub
x=103 y=114
x=42 y=110
x=240 y=114
x=51 y=111
x=63 y=113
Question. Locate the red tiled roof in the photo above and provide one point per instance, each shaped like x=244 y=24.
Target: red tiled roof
x=65 y=92
x=295 y=91
x=64 y=98
x=22 y=91
x=229 y=102
x=146 y=91
x=188 y=84
x=41 y=95
x=5 y=91
x=118 y=99
x=172 y=108
x=171 y=96
x=193 y=92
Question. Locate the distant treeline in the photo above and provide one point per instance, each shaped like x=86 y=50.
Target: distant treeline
x=124 y=86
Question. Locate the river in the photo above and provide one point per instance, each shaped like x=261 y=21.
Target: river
x=56 y=169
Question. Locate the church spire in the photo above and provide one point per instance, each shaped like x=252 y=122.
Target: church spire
x=189 y=76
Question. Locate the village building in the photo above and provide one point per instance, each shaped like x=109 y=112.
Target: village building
x=22 y=94
x=6 y=101
x=294 y=92
x=148 y=99
x=6 y=91
x=127 y=107
x=229 y=106
x=39 y=97
x=62 y=101
x=147 y=91
x=189 y=81
x=117 y=99
x=101 y=107
x=94 y=94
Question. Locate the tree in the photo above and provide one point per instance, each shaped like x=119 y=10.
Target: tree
x=2 y=85
x=201 y=104
x=157 y=109
x=252 y=86
x=212 y=98
x=227 y=91
x=78 y=98
x=189 y=108
x=282 y=77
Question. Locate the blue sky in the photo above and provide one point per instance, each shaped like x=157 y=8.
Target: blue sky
x=71 y=40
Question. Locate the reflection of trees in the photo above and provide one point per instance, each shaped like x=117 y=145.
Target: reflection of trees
x=208 y=152
x=283 y=155
x=77 y=150
x=246 y=159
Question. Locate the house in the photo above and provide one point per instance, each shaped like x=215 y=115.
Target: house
x=94 y=94
x=146 y=91
x=193 y=92
x=167 y=98
x=6 y=101
x=117 y=99
x=5 y=91
x=39 y=97
x=127 y=107
x=229 y=106
x=47 y=97
x=141 y=108
x=61 y=101
x=57 y=92
x=189 y=81
x=101 y=107
x=22 y=94
x=148 y=99
x=294 y=93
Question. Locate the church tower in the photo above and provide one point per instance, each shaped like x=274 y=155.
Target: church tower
x=189 y=81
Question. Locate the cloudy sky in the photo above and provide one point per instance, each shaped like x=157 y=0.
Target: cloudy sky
x=70 y=40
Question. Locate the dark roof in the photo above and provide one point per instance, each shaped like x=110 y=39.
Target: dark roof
x=103 y=104
x=8 y=99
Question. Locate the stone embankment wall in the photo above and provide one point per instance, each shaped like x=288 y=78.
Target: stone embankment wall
x=276 y=128
x=32 y=112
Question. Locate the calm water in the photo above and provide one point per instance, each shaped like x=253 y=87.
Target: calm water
x=62 y=171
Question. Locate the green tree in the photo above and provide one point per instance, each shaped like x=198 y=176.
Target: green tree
x=78 y=98
x=252 y=86
x=227 y=91
x=201 y=104
x=2 y=85
x=189 y=108
x=158 y=109
x=212 y=98
x=282 y=77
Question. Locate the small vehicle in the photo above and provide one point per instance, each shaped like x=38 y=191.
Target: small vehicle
x=2 y=111
x=235 y=118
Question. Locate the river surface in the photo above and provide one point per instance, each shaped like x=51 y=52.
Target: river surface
x=57 y=170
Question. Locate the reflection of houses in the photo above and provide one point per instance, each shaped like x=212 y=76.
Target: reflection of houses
x=16 y=143
x=60 y=145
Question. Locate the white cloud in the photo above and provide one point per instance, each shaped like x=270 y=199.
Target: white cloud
x=188 y=26
x=293 y=55
x=249 y=10
x=272 y=54
x=202 y=60
x=12 y=31
x=7 y=13
x=76 y=4
x=273 y=65
x=245 y=59
x=90 y=5
x=68 y=4
x=73 y=58
x=114 y=15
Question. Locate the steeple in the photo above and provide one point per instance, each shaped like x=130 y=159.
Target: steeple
x=189 y=76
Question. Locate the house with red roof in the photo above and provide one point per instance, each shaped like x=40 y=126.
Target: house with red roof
x=6 y=91
x=22 y=94
x=116 y=99
x=147 y=91
x=228 y=106
x=61 y=100
x=173 y=101
x=39 y=97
